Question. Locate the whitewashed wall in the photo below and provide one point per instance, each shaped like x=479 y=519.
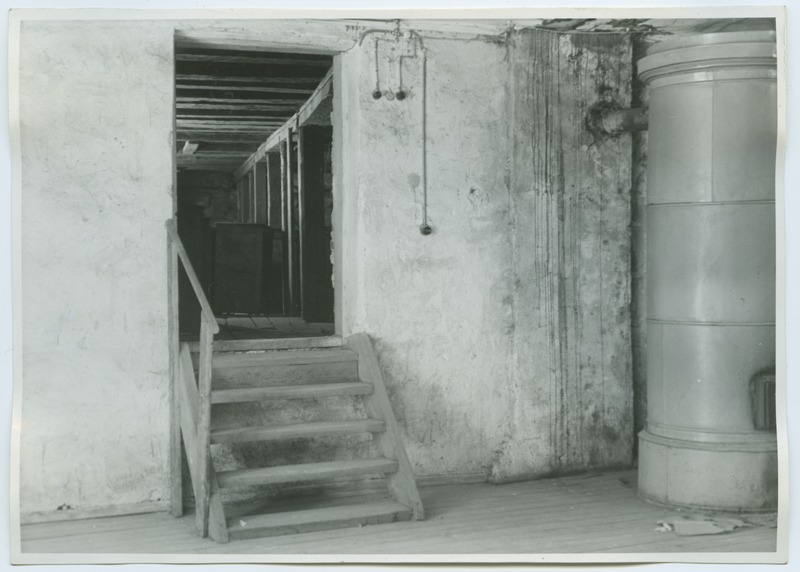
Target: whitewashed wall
x=456 y=316
x=96 y=119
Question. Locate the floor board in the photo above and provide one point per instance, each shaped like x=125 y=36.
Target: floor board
x=597 y=513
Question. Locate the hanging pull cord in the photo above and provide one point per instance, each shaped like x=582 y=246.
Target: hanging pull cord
x=376 y=94
x=424 y=228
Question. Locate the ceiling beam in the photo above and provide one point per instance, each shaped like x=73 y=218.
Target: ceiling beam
x=273 y=61
x=306 y=110
x=227 y=136
x=219 y=154
x=232 y=100
x=252 y=127
x=257 y=89
x=233 y=120
x=221 y=104
x=311 y=80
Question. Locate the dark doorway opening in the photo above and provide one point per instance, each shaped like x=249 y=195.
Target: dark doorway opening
x=254 y=190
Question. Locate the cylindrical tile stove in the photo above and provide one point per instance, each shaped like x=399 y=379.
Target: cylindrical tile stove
x=710 y=271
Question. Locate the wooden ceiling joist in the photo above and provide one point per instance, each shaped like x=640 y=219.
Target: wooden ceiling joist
x=233 y=101
x=320 y=94
x=310 y=80
x=218 y=137
x=240 y=104
x=245 y=89
x=226 y=59
x=229 y=101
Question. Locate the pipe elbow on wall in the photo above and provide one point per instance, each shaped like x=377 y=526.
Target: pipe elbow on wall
x=608 y=120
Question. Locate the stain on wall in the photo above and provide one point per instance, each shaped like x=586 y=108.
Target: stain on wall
x=571 y=211
x=96 y=122
x=504 y=335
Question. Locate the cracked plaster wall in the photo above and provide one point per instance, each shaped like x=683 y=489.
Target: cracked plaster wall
x=504 y=336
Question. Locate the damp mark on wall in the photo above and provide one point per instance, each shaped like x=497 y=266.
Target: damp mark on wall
x=572 y=247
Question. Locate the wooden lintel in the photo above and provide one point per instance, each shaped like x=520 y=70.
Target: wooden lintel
x=269 y=35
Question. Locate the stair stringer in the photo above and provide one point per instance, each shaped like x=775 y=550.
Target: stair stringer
x=402 y=484
x=215 y=526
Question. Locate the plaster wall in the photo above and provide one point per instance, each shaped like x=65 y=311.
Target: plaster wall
x=571 y=220
x=96 y=123
x=438 y=306
x=503 y=336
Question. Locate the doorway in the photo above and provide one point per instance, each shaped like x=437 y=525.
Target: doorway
x=255 y=190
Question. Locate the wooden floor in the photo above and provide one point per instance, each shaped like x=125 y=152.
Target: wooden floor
x=597 y=513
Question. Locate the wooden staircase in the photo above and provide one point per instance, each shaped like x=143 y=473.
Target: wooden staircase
x=225 y=373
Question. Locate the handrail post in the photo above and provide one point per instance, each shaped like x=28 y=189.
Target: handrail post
x=175 y=445
x=203 y=426
x=198 y=447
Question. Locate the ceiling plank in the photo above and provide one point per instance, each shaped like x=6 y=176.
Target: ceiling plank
x=218 y=136
x=229 y=102
x=234 y=120
x=274 y=61
x=238 y=88
x=232 y=100
x=311 y=80
x=322 y=92
x=257 y=105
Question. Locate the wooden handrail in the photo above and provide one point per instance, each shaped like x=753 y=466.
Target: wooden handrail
x=172 y=232
x=191 y=400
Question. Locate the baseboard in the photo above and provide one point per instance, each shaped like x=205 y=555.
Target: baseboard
x=98 y=512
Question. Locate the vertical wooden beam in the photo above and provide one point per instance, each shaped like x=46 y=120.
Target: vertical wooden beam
x=247 y=214
x=273 y=296
x=173 y=329
x=284 y=224
x=260 y=192
x=274 y=217
x=344 y=124
x=282 y=148
x=300 y=219
x=239 y=198
x=204 y=427
x=317 y=287
x=291 y=226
